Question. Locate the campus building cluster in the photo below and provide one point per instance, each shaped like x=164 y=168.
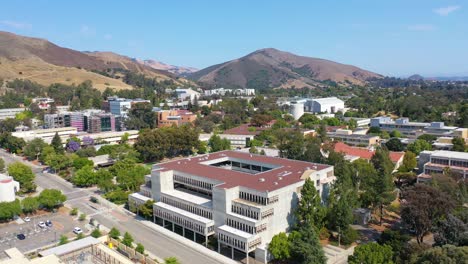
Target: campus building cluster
x=241 y=199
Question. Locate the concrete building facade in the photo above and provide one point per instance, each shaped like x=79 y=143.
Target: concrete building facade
x=441 y=161
x=8 y=188
x=241 y=199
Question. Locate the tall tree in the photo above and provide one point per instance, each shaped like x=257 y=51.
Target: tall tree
x=383 y=184
x=371 y=253
x=51 y=198
x=33 y=148
x=57 y=143
x=409 y=162
x=423 y=208
x=216 y=143
x=24 y=175
x=305 y=246
x=280 y=247
x=310 y=210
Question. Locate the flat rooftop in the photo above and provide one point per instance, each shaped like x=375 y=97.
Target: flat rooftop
x=196 y=199
x=235 y=231
x=70 y=247
x=282 y=172
x=450 y=154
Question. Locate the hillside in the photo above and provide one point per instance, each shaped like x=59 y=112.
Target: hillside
x=44 y=62
x=177 y=70
x=271 y=68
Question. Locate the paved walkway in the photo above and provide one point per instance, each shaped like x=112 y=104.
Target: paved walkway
x=337 y=255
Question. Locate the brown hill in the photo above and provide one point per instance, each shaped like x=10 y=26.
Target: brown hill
x=178 y=70
x=44 y=62
x=271 y=68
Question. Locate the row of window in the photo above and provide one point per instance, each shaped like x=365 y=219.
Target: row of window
x=267 y=213
x=254 y=243
x=241 y=226
x=187 y=207
x=193 y=182
x=273 y=199
x=245 y=212
x=253 y=198
x=181 y=221
x=231 y=241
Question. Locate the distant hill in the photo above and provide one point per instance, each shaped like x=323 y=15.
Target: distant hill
x=272 y=68
x=177 y=70
x=44 y=62
x=453 y=78
x=416 y=77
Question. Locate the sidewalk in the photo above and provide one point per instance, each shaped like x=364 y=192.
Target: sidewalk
x=195 y=246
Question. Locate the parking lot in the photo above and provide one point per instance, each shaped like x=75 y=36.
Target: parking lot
x=37 y=237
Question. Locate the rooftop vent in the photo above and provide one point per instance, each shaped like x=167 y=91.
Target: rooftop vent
x=280 y=178
x=261 y=180
x=314 y=167
x=178 y=162
x=275 y=183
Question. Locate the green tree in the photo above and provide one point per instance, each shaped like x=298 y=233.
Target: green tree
x=394 y=144
x=459 y=144
x=82 y=217
x=310 y=210
x=96 y=233
x=396 y=134
x=280 y=247
x=146 y=209
x=418 y=146
x=217 y=144
x=9 y=209
x=423 y=208
x=58 y=161
x=79 y=163
x=127 y=240
x=114 y=233
x=24 y=175
x=74 y=211
x=63 y=240
x=51 y=198
x=57 y=143
x=33 y=148
x=84 y=177
x=445 y=254
x=46 y=151
x=30 y=204
x=140 y=248
x=409 y=162
x=395 y=239
x=2 y=165
x=383 y=183
x=171 y=260
x=305 y=246
x=371 y=253
x=451 y=230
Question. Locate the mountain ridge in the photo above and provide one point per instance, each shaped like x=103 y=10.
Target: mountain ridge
x=40 y=60
x=270 y=68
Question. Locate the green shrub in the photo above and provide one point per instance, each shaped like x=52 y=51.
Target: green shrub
x=324 y=233
x=74 y=211
x=349 y=236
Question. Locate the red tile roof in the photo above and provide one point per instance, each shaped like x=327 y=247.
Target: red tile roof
x=288 y=171
x=364 y=153
x=244 y=130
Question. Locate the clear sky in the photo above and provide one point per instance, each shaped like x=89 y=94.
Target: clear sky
x=392 y=37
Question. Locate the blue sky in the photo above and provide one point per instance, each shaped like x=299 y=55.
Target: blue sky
x=396 y=38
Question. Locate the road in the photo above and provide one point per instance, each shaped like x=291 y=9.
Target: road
x=155 y=242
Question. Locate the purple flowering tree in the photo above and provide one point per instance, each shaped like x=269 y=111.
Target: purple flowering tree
x=73 y=146
x=88 y=141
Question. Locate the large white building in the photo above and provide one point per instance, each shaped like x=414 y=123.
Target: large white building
x=328 y=105
x=187 y=94
x=8 y=188
x=46 y=134
x=438 y=162
x=222 y=91
x=241 y=199
x=415 y=129
x=121 y=106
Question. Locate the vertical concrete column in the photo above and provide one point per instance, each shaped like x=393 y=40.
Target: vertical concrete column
x=183 y=232
x=232 y=252
x=173 y=226
x=219 y=247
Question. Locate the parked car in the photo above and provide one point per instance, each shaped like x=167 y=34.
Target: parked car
x=21 y=236
x=41 y=224
x=93 y=199
x=48 y=223
x=27 y=219
x=77 y=230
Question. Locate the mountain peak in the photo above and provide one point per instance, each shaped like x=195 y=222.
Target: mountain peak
x=270 y=68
